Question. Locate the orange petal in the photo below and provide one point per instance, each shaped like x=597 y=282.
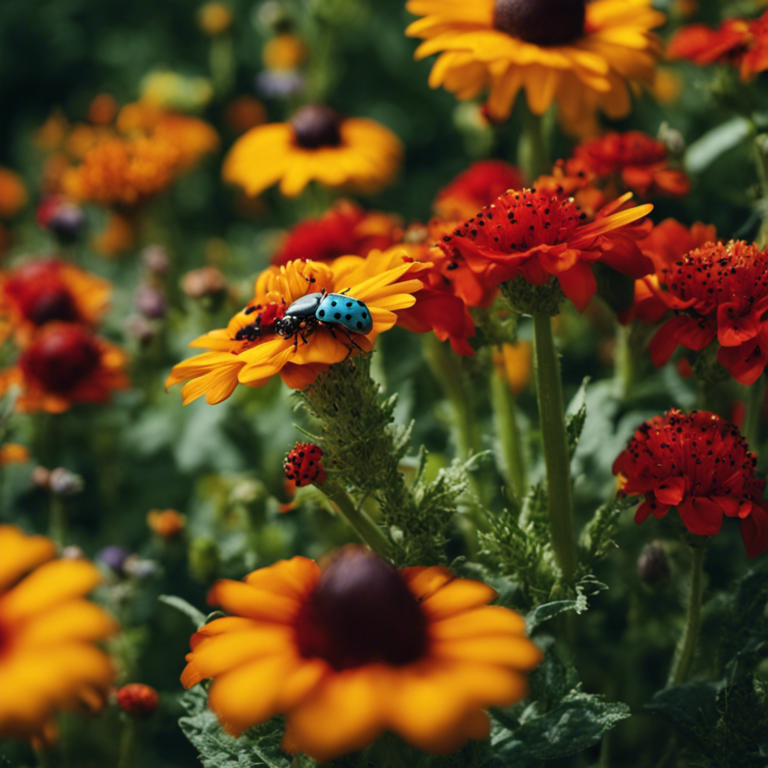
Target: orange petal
x=488 y=620
x=457 y=596
x=295 y=578
x=245 y=600
x=19 y=554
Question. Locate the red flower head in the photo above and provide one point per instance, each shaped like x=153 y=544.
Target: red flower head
x=138 y=699
x=303 y=465
x=65 y=364
x=536 y=236
x=701 y=465
x=476 y=187
x=718 y=291
x=344 y=229
x=739 y=42
x=666 y=243
x=638 y=161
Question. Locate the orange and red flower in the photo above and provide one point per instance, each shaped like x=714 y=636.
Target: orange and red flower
x=343 y=230
x=742 y=43
x=475 y=188
x=532 y=235
x=65 y=364
x=700 y=465
x=718 y=291
x=357 y=648
x=42 y=290
x=48 y=658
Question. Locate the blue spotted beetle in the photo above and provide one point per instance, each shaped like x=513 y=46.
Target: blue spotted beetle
x=304 y=315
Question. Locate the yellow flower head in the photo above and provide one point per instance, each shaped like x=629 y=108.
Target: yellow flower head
x=357 y=648
x=251 y=351
x=582 y=55
x=316 y=144
x=48 y=660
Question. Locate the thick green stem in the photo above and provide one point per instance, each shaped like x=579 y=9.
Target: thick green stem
x=532 y=151
x=687 y=646
x=625 y=362
x=364 y=527
x=556 y=454
x=508 y=430
x=754 y=395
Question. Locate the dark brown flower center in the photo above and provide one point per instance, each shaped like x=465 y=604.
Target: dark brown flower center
x=362 y=612
x=61 y=358
x=316 y=126
x=542 y=22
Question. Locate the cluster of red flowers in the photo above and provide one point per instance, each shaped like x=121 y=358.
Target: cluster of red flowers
x=741 y=43
x=719 y=291
x=699 y=464
x=52 y=309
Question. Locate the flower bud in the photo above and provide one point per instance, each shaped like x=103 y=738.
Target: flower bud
x=207 y=282
x=138 y=699
x=167 y=523
x=65 y=483
x=72 y=552
x=63 y=218
x=149 y=300
x=653 y=565
x=155 y=258
x=114 y=557
x=41 y=478
x=138 y=568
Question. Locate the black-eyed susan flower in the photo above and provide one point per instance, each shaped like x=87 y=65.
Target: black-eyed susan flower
x=65 y=364
x=358 y=648
x=317 y=144
x=48 y=658
x=581 y=55
x=42 y=290
x=251 y=351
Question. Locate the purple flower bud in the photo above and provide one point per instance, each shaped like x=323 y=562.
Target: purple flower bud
x=114 y=557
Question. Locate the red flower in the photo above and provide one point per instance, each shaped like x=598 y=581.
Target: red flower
x=699 y=464
x=536 y=236
x=639 y=161
x=476 y=187
x=665 y=244
x=303 y=465
x=719 y=291
x=739 y=42
x=346 y=229
x=138 y=699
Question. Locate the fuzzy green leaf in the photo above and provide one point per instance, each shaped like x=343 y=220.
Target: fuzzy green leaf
x=576 y=416
x=689 y=707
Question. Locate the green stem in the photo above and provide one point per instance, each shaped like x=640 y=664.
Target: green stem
x=556 y=454
x=687 y=646
x=57 y=518
x=128 y=745
x=222 y=64
x=508 y=430
x=364 y=527
x=532 y=150
x=754 y=395
x=760 y=149
x=625 y=362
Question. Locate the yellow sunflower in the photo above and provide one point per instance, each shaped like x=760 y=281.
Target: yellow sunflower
x=251 y=351
x=316 y=144
x=48 y=660
x=357 y=648
x=580 y=54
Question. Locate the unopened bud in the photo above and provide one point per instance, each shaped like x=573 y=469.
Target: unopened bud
x=63 y=218
x=149 y=300
x=138 y=699
x=653 y=565
x=155 y=259
x=167 y=523
x=72 y=552
x=203 y=283
x=138 y=568
x=65 y=483
x=140 y=328
x=41 y=478
x=113 y=557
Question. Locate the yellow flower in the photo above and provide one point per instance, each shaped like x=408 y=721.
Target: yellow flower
x=317 y=144
x=48 y=660
x=250 y=350
x=582 y=55
x=358 y=648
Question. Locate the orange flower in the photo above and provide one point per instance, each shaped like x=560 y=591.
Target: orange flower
x=342 y=230
x=739 y=42
x=65 y=364
x=531 y=235
x=582 y=55
x=476 y=187
x=316 y=144
x=284 y=51
x=244 y=113
x=13 y=453
x=214 y=18
x=514 y=363
x=251 y=351
x=358 y=648
x=166 y=523
x=48 y=660
x=41 y=290
x=13 y=194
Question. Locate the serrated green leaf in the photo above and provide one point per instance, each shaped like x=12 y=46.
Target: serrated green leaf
x=576 y=416
x=690 y=707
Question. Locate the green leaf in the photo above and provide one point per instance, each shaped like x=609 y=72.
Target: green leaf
x=257 y=748
x=587 y=587
x=576 y=723
x=197 y=617
x=576 y=416
x=704 y=151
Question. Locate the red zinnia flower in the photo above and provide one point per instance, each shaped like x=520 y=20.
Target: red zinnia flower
x=476 y=187
x=718 y=291
x=639 y=161
x=666 y=243
x=739 y=42
x=536 y=236
x=138 y=699
x=701 y=465
x=343 y=230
